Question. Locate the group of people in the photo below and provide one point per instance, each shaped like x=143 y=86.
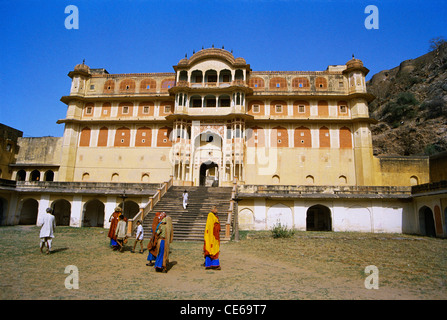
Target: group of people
x=162 y=236
x=159 y=243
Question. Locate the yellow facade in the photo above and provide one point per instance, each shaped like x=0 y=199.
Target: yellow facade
x=214 y=119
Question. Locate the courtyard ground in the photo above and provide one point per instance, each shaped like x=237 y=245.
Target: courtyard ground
x=308 y=266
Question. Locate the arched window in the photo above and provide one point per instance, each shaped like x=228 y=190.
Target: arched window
x=302 y=137
x=300 y=83
x=103 y=137
x=143 y=137
x=127 y=85
x=35 y=175
x=146 y=108
x=321 y=83
x=106 y=109
x=323 y=108
x=163 y=137
x=256 y=83
x=167 y=84
x=109 y=86
x=49 y=175
x=122 y=137
x=345 y=138
x=88 y=109
x=279 y=137
x=21 y=175
x=125 y=109
x=325 y=139
x=278 y=83
x=148 y=85
x=301 y=108
x=84 y=140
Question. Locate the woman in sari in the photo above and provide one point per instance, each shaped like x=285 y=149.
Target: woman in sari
x=165 y=235
x=211 y=246
x=112 y=230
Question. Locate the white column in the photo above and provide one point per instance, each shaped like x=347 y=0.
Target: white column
x=44 y=203
x=76 y=211
x=109 y=208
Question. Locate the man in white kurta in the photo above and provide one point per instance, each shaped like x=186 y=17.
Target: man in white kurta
x=185 y=199
x=46 y=232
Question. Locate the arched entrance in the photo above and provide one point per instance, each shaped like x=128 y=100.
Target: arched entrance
x=209 y=174
x=3 y=209
x=28 y=212
x=318 y=218
x=61 y=211
x=93 y=214
x=131 y=208
x=426 y=222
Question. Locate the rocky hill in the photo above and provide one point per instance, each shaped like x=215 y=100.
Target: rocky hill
x=411 y=106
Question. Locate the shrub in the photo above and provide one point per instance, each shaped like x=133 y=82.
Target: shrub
x=280 y=231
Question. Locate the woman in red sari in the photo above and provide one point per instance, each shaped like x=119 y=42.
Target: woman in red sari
x=112 y=230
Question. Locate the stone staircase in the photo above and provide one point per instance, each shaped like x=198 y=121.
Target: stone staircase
x=189 y=224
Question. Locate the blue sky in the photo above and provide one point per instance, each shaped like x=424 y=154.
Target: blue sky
x=127 y=36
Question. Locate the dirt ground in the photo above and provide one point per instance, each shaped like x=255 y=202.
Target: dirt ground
x=309 y=266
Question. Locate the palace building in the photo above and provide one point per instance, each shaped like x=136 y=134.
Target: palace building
x=294 y=146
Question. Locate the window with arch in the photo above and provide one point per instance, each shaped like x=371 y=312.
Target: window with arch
x=323 y=108
x=106 y=110
x=256 y=107
x=122 y=137
x=279 y=137
x=255 y=137
x=143 y=137
x=300 y=83
x=115 y=177
x=301 y=108
x=256 y=83
x=109 y=86
x=21 y=175
x=125 y=109
x=127 y=85
x=85 y=176
x=88 y=109
x=146 y=108
x=148 y=85
x=414 y=180
x=167 y=84
x=310 y=179
x=103 y=137
x=345 y=138
x=145 y=177
x=325 y=138
x=278 y=108
x=302 y=137
x=321 y=83
x=164 y=137
x=278 y=83
x=84 y=140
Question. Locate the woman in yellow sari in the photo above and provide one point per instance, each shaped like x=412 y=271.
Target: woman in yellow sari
x=211 y=246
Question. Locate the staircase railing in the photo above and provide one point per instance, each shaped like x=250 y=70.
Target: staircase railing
x=131 y=223
x=230 y=211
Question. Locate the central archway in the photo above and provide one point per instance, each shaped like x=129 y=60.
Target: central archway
x=209 y=174
x=318 y=218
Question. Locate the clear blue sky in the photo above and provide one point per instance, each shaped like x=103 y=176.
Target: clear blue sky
x=124 y=36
